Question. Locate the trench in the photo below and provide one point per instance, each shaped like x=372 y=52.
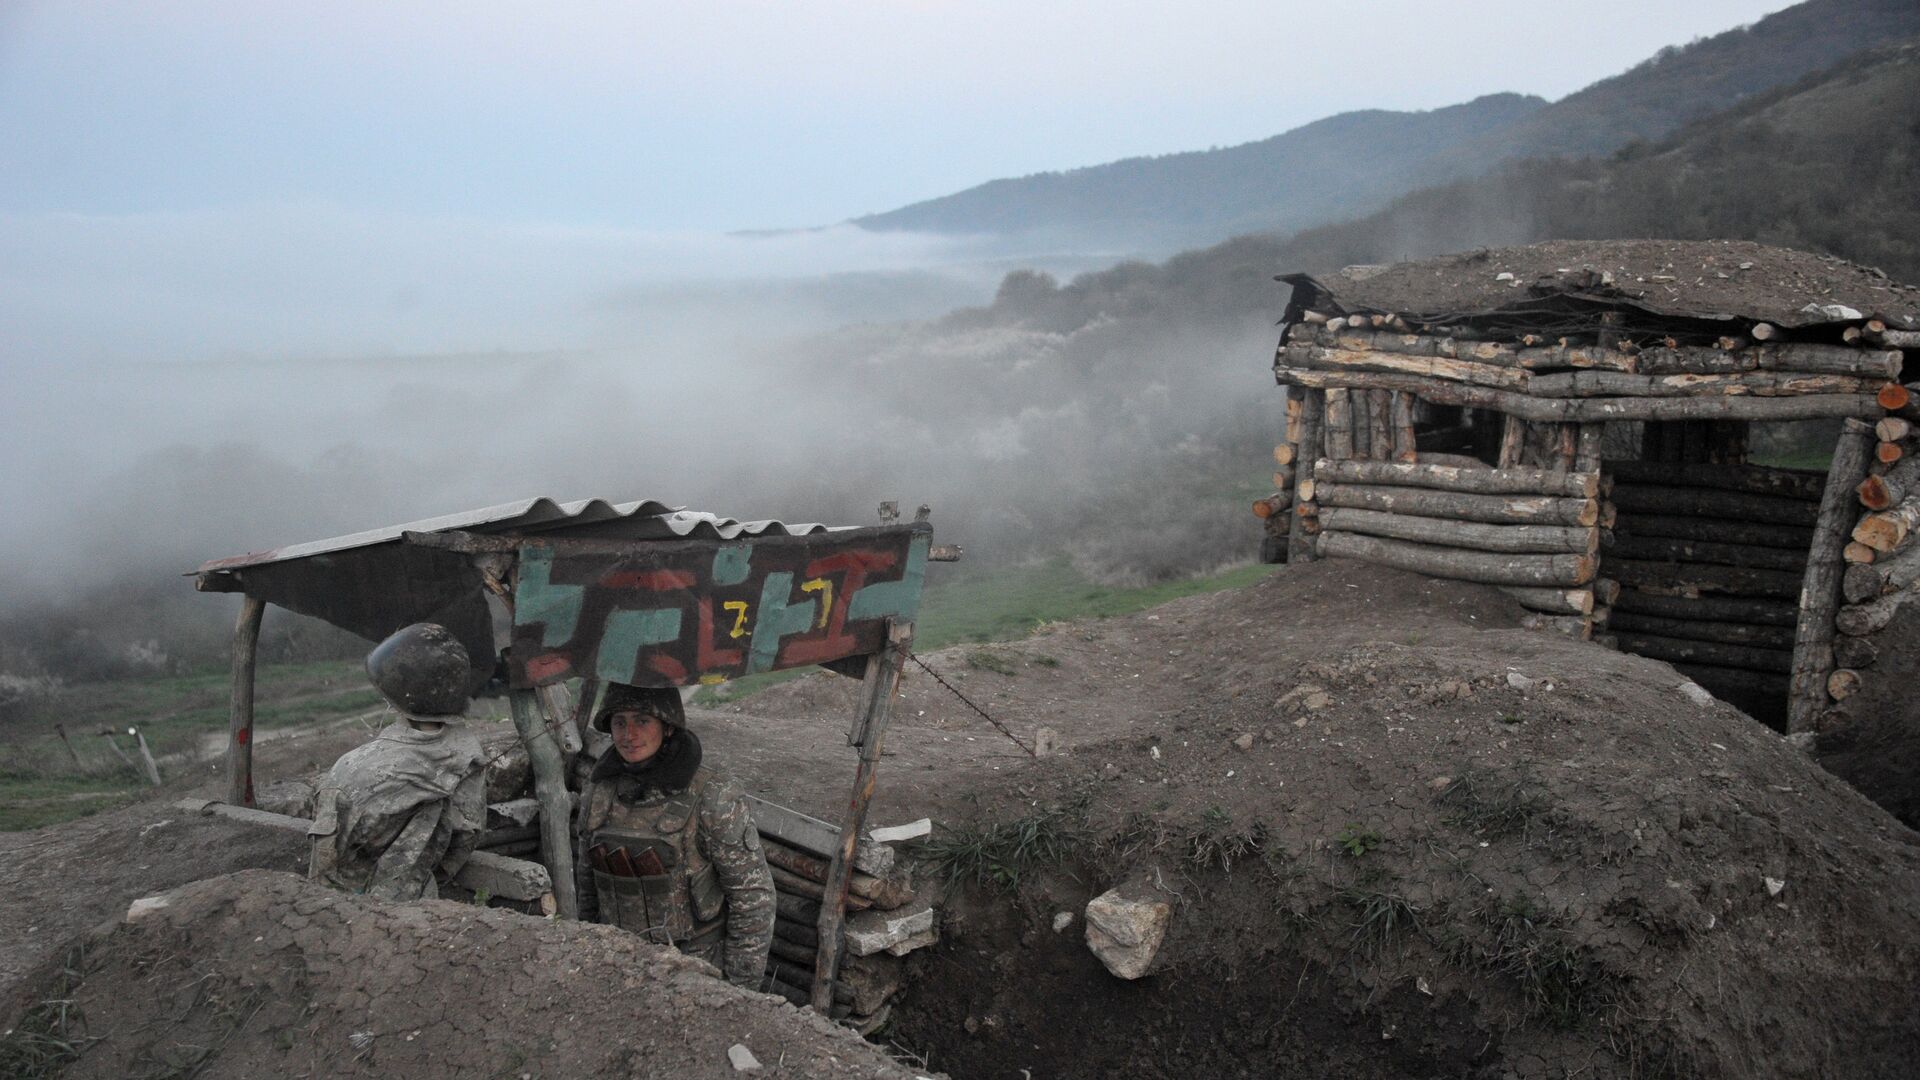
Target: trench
x=1006 y=995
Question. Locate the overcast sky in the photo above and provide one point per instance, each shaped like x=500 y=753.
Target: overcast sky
x=720 y=115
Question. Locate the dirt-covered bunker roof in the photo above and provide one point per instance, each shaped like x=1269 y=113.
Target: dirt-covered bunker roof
x=1715 y=280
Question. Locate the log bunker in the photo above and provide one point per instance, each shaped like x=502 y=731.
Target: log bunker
x=1576 y=423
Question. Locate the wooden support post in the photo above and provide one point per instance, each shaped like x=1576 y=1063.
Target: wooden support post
x=550 y=788
x=1380 y=420
x=1312 y=427
x=870 y=729
x=61 y=730
x=1513 y=438
x=583 y=709
x=1587 y=447
x=542 y=743
x=1338 y=418
x=1404 y=442
x=146 y=756
x=1820 y=588
x=246 y=641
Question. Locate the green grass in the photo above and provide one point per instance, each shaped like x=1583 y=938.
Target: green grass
x=1008 y=605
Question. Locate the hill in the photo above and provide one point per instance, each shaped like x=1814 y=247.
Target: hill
x=1314 y=175
x=1306 y=176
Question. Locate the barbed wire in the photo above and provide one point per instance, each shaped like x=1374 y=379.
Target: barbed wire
x=955 y=691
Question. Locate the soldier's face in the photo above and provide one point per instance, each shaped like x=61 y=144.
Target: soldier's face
x=636 y=735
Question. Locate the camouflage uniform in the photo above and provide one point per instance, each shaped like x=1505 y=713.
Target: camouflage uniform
x=399 y=811
x=714 y=900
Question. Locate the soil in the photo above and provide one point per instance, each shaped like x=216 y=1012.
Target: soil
x=1879 y=752
x=265 y=974
x=1401 y=836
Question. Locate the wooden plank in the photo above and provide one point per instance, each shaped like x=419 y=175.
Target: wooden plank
x=1664 y=549
x=1689 y=579
x=1312 y=433
x=1581 y=410
x=1459 y=564
x=1727 y=633
x=1732 y=609
x=1448 y=532
x=816 y=837
x=246 y=641
x=1717 y=530
x=882 y=682
x=1461 y=506
x=1519 y=480
x=1799 y=484
x=1707 y=502
x=550 y=787
x=1589 y=384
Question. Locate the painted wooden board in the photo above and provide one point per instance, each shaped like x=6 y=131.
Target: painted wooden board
x=702 y=611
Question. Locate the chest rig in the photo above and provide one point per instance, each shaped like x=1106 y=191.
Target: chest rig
x=648 y=873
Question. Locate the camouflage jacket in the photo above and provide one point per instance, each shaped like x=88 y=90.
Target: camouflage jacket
x=399 y=811
x=715 y=898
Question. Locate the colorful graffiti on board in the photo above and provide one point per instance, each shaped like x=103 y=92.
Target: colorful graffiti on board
x=682 y=612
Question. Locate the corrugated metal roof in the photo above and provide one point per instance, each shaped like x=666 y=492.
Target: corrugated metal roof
x=645 y=519
x=374 y=582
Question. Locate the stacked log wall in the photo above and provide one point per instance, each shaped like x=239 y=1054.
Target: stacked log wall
x=1880 y=570
x=1704 y=558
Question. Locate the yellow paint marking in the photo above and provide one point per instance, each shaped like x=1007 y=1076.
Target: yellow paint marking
x=712 y=680
x=820 y=585
x=739 y=609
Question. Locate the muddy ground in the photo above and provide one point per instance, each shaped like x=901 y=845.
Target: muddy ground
x=1401 y=836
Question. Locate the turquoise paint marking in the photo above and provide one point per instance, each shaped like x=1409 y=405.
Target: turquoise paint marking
x=898 y=599
x=538 y=600
x=731 y=564
x=775 y=619
x=626 y=633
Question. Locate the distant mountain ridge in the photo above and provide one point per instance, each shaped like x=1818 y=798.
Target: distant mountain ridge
x=1368 y=156
x=1355 y=163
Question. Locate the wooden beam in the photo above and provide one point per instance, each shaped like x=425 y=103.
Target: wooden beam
x=550 y=787
x=1460 y=506
x=816 y=837
x=1452 y=532
x=1820 y=591
x=1459 y=564
x=869 y=733
x=1519 y=480
x=1311 y=444
x=246 y=648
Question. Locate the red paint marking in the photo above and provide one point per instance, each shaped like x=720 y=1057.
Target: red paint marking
x=243 y=736
x=542 y=668
x=668 y=666
x=834 y=642
x=653 y=580
x=707 y=659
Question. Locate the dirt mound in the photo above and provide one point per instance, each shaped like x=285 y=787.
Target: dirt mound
x=1879 y=752
x=1398 y=844
x=262 y=974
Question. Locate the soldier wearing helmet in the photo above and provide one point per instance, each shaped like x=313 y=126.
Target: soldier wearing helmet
x=666 y=846
x=398 y=816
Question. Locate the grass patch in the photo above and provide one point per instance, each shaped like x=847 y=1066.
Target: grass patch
x=1356 y=840
x=991 y=660
x=1493 y=806
x=1560 y=980
x=1000 y=855
x=30 y=800
x=1381 y=919
x=47 y=1038
x=1009 y=604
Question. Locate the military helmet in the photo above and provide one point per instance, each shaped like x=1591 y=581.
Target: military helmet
x=423 y=671
x=660 y=701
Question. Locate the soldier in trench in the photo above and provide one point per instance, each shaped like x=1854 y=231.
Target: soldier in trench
x=666 y=846
x=398 y=817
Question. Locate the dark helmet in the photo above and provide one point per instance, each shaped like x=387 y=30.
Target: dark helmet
x=422 y=670
x=660 y=701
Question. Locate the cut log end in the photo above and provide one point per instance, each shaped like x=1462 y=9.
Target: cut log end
x=1893 y=397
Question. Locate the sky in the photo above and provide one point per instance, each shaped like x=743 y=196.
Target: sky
x=722 y=115
x=421 y=240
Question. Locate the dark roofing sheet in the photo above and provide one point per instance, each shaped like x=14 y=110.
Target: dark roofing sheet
x=1706 y=279
x=373 y=582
